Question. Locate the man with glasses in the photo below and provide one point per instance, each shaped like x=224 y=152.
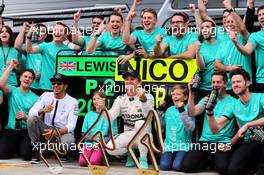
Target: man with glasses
x=58 y=109
x=181 y=43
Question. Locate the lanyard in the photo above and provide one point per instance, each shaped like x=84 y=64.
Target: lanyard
x=5 y=55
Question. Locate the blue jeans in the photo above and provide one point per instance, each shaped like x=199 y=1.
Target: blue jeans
x=172 y=160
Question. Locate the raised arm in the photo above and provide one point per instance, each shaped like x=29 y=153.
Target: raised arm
x=250 y=13
x=20 y=37
x=193 y=110
x=197 y=17
x=203 y=11
x=5 y=76
x=240 y=24
x=29 y=47
x=160 y=47
x=199 y=59
x=93 y=43
x=127 y=38
x=76 y=39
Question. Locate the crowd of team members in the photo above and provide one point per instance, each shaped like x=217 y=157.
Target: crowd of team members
x=223 y=55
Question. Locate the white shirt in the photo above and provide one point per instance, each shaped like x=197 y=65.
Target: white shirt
x=131 y=109
x=66 y=113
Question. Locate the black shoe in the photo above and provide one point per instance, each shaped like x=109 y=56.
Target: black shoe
x=35 y=159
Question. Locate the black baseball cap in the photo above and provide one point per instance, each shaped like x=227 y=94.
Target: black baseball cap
x=60 y=78
x=131 y=73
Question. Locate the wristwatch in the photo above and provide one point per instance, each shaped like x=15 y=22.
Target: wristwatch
x=230 y=10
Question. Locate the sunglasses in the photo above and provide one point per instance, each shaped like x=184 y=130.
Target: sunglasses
x=58 y=83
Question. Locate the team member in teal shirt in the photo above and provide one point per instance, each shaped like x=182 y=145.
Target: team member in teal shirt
x=145 y=37
x=7 y=53
x=179 y=127
x=84 y=40
x=245 y=110
x=110 y=41
x=228 y=57
x=255 y=42
x=92 y=151
x=209 y=145
x=181 y=43
x=32 y=61
x=49 y=52
x=15 y=137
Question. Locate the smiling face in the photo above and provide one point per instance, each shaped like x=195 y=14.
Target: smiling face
x=224 y=18
x=148 y=21
x=261 y=17
x=230 y=23
x=96 y=22
x=115 y=24
x=239 y=84
x=58 y=87
x=4 y=35
x=59 y=32
x=132 y=83
x=26 y=79
x=178 y=25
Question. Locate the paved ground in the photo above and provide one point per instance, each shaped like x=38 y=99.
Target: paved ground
x=19 y=167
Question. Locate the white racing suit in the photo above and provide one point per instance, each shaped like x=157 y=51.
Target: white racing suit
x=133 y=113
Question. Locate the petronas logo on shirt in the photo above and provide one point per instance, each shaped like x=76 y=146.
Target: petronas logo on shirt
x=67 y=66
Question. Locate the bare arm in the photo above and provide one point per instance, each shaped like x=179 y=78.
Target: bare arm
x=217 y=125
x=5 y=76
x=189 y=54
x=219 y=66
x=159 y=48
x=241 y=26
x=76 y=39
x=20 y=37
x=197 y=17
x=245 y=50
x=29 y=47
x=193 y=110
x=203 y=11
x=199 y=59
x=127 y=38
x=92 y=45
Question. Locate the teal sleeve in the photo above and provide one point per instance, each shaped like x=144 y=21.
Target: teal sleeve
x=228 y=112
x=41 y=47
x=101 y=40
x=193 y=38
x=201 y=102
x=252 y=40
x=11 y=89
x=135 y=34
x=166 y=40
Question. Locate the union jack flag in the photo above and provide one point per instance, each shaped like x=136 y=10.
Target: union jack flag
x=67 y=66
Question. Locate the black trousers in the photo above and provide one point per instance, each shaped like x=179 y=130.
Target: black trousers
x=15 y=142
x=200 y=159
x=246 y=157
